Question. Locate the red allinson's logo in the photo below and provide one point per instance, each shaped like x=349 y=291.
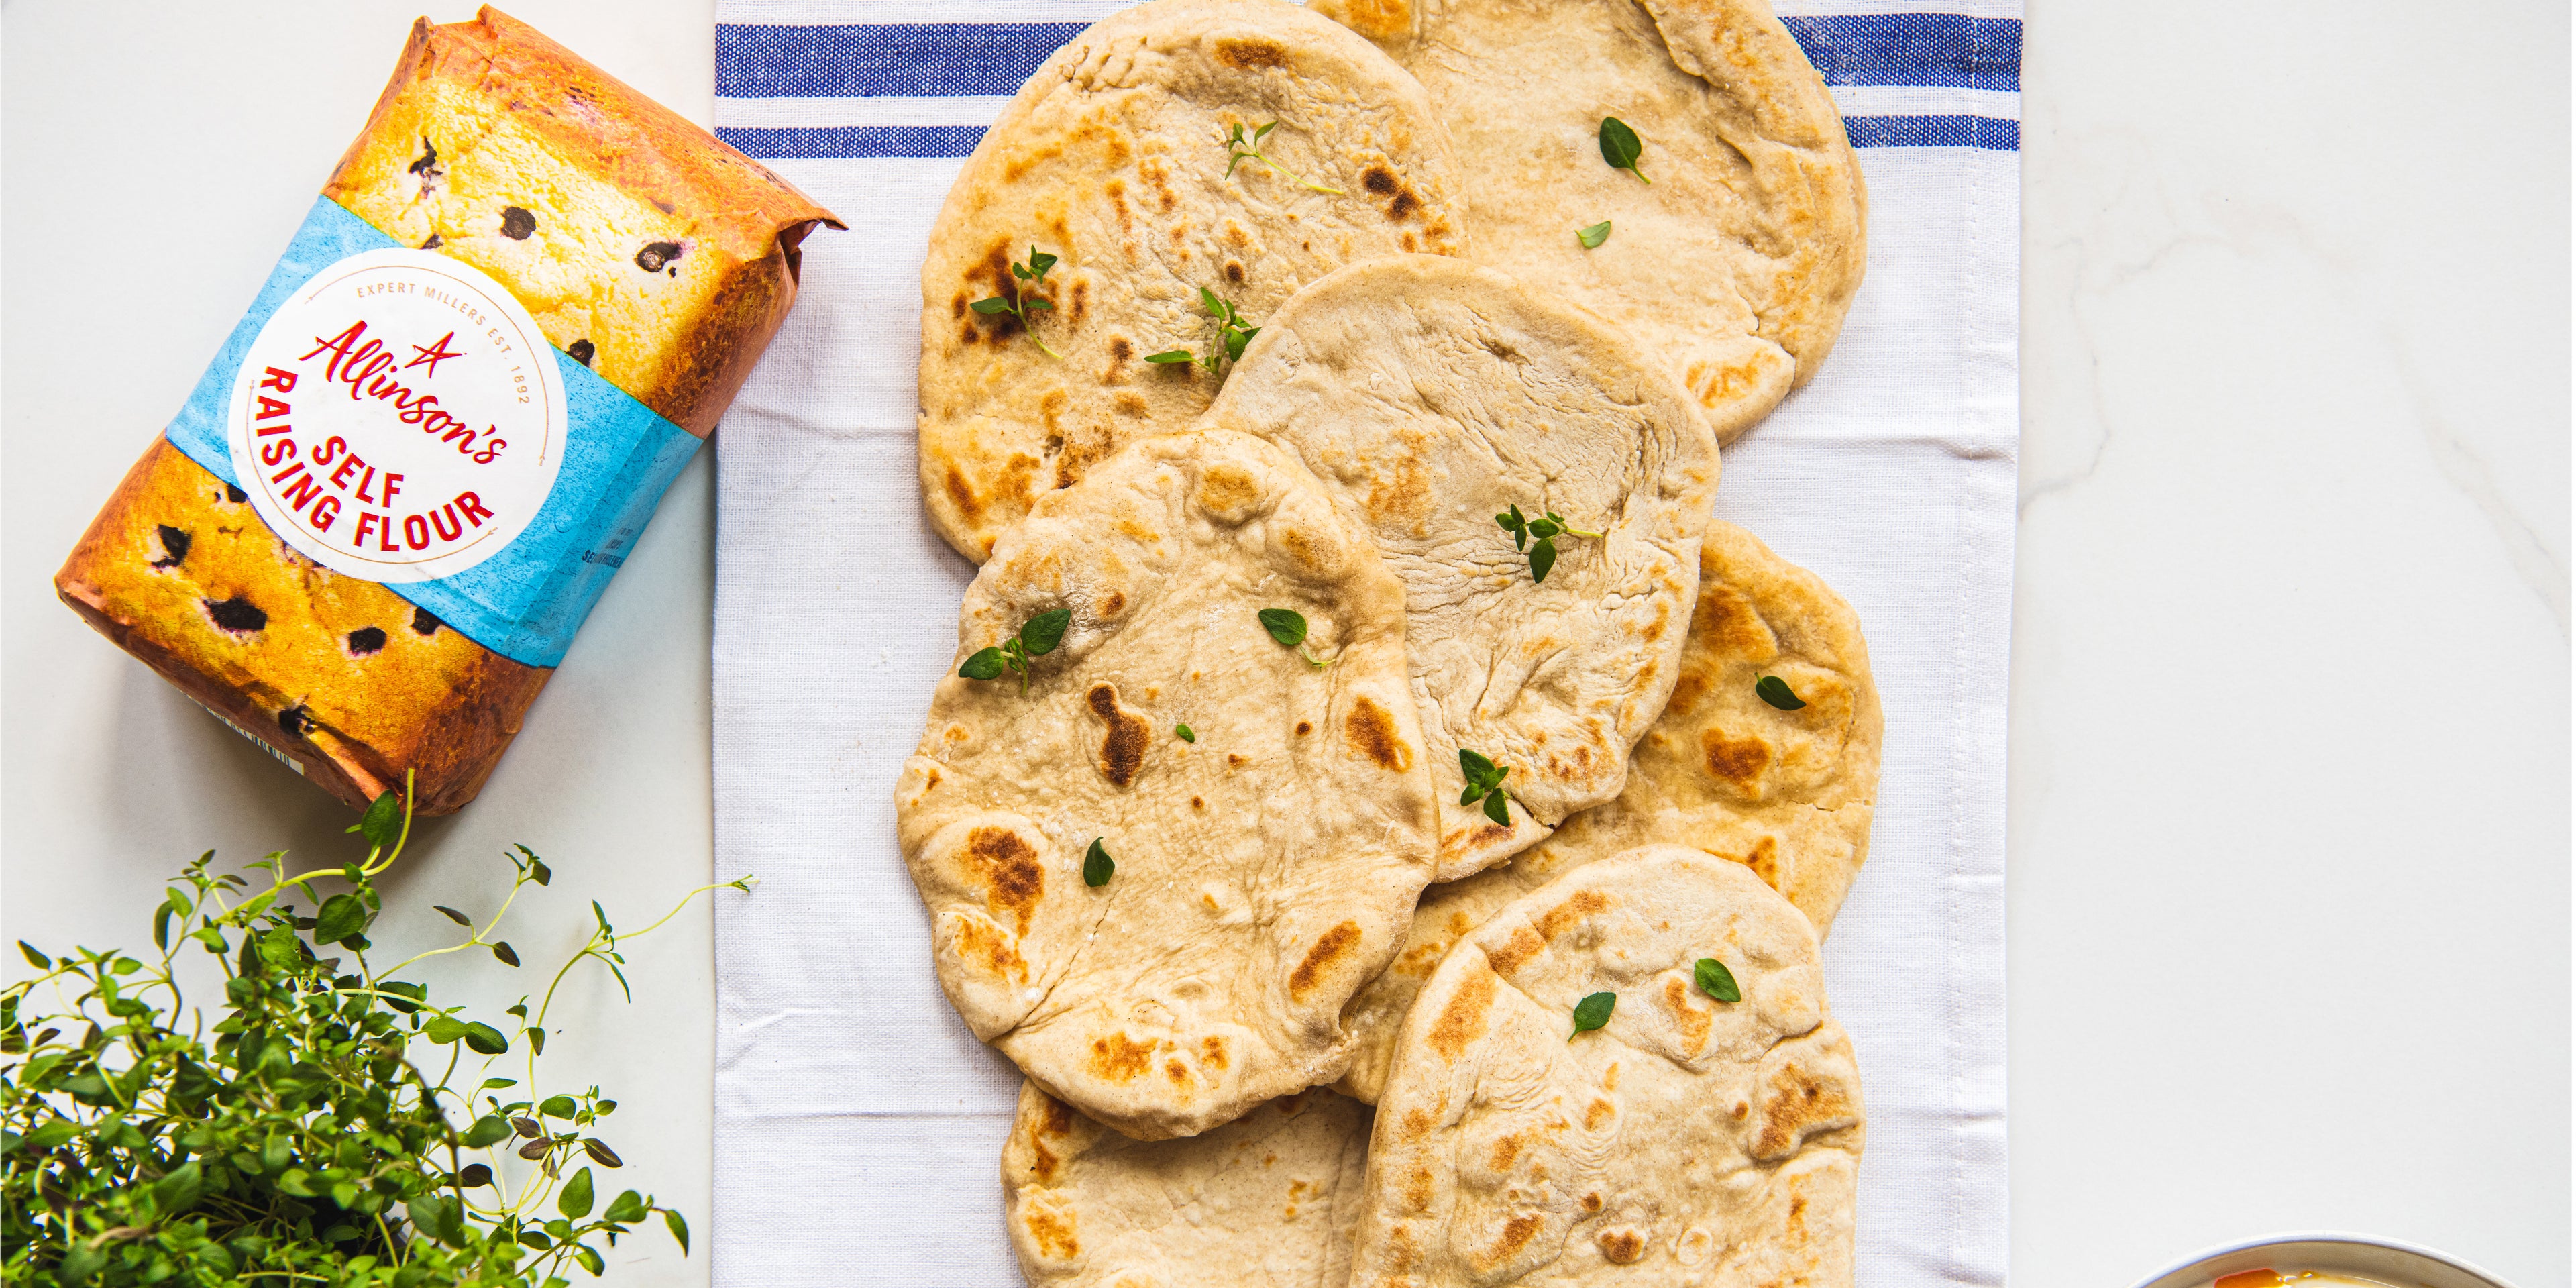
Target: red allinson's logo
x=399 y=418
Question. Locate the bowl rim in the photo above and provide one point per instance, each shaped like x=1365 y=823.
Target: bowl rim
x=2320 y=1236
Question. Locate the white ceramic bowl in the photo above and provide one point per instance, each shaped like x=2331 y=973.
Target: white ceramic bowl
x=2386 y=1260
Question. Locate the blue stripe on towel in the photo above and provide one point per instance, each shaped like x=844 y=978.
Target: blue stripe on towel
x=951 y=59
x=1945 y=49
x=854 y=141
x=881 y=60
x=958 y=59
x=1993 y=134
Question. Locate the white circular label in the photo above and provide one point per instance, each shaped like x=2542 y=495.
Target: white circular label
x=399 y=418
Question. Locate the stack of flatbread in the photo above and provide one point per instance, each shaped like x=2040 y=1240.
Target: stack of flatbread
x=1387 y=819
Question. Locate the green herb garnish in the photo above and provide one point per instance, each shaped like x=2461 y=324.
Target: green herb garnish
x=1619 y=147
x=1717 y=981
x=1542 y=556
x=1232 y=330
x=1592 y=1012
x=285 y=1133
x=1485 y=783
x=1037 y=638
x=1288 y=626
x=1097 y=866
x=1777 y=692
x=1594 y=235
x=1033 y=271
x=1240 y=150
x=1232 y=333
x=1185 y=733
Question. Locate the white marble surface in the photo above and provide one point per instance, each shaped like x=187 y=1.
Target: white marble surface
x=2289 y=830
x=2290 y=844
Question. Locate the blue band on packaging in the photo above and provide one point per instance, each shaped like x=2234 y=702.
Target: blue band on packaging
x=526 y=602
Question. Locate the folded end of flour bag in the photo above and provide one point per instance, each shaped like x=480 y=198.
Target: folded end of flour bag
x=514 y=312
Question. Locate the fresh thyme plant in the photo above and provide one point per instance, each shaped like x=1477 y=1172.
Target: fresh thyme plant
x=294 y=1133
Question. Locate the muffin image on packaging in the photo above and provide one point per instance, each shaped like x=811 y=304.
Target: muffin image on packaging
x=516 y=309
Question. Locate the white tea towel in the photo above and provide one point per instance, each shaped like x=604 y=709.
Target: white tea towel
x=859 y=1125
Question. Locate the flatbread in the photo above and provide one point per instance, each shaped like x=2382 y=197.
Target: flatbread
x=1263 y=872
x=1688 y=1142
x=1113 y=156
x=1430 y=395
x=1266 y=1201
x=1737 y=262
x=1788 y=793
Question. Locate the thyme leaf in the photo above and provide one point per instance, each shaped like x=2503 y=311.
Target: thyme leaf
x=1716 y=980
x=1777 y=692
x=1592 y=1012
x=1621 y=147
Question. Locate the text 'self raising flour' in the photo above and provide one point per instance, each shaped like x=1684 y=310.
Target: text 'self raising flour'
x=405 y=415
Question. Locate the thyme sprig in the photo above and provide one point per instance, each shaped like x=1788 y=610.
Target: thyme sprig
x=1239 y=150
x=1233 y=332
x=1032 y=272
x=1287 y=628
x=1485 y=783
x=1038 y=637
x=1544 y=531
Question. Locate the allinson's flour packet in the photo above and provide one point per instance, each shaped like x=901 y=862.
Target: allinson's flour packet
x=514 y=312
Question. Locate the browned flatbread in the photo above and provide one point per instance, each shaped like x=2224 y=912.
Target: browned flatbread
x=1690 y=1140
x=1430 y=395
x=1789 y=794
x=1736 y=263
x=1265 y=1201
x=1264 y=871
x=1114 y=158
